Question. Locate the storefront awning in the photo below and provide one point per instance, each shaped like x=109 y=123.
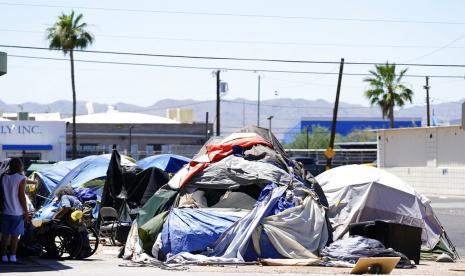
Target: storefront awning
x=27 y=147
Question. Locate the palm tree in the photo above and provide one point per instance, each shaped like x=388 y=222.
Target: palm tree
x=387 y=90
x=69 y=33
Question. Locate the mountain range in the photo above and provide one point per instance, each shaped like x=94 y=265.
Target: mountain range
x=236 y=113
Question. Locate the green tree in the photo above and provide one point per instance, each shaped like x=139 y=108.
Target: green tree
x=360 y=135
x=69 y=33
x=387 y=89
x=318 y=138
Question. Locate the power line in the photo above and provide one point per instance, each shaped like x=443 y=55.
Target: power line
x=189 y=67
x=265 y=42
x=235 y=58
x=223 y=68
x=203 y=13
x=447 y=45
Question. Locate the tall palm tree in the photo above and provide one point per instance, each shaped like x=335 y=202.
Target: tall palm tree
x=69 y=33
x=387 y=89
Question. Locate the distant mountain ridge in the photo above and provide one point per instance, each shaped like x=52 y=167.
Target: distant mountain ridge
x=238 y=112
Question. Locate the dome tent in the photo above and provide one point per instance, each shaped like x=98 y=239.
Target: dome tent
x=359 y=193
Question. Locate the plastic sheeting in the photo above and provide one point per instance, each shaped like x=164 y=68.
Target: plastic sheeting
x=353 y=248
x=298 y=232
x=359 y=193
x=129 y=184
x=234 y=242
x=234 y=170
x=170 y=163
x=193 y=230
x=76 y=172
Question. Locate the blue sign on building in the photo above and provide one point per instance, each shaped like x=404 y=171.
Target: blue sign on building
x=347 y=125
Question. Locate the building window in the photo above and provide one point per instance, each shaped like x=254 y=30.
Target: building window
x=154 y=147
x=88 y=147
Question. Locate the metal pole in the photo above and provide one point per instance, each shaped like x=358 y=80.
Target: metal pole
x=258 y=102
x=218 y=103
x=130 y=139
x=306 y=144
x=427 y=87
x=330 y=152
x=269 y=119
x=206 y=126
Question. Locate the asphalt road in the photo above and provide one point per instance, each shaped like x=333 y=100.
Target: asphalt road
x=451 y=213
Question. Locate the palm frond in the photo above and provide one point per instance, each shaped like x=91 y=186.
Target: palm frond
x=69 y=33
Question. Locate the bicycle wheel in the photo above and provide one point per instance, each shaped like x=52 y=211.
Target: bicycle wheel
x=94 y=239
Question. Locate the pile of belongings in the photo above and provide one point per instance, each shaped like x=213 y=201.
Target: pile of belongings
x=240 y=199
x=88 y=175
x=358 y=193
x=346 y=252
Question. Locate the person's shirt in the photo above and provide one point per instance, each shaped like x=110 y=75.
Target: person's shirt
x=69 y=201
x=11 y=204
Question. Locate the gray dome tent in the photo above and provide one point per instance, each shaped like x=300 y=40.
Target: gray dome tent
x=359 y=193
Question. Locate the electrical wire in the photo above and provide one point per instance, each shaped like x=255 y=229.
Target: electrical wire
x=224 y=68
x=261 y=42
x=235 y=58
x=203 y=13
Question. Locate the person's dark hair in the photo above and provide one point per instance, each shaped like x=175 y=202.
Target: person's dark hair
x=64 y=190
x=15 y=166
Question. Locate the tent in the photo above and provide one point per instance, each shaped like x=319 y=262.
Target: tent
x=76 y=172
x=88 y=172
x=359 y=193
x=245 y=195
x=130 y=185
x=170 y=163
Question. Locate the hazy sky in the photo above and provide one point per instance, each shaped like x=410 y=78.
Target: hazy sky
x=233 y=36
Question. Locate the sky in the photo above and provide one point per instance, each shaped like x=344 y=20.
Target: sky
x=169 y=27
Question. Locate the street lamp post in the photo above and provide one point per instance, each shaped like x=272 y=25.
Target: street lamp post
x=130 y=139
x=269 y=119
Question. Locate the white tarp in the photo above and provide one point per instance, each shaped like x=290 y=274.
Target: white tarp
x=298 y=232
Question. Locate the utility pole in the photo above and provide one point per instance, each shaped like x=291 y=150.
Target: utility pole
x=206 y=126
x=329 y=153
x=427 y=87
x=218 y=103
x=243 y=113
x=258 y=102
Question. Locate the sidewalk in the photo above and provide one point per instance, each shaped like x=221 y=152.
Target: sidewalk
x=104 y=264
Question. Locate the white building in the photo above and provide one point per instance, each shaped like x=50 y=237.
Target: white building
x=33 y=140
x=431 y=159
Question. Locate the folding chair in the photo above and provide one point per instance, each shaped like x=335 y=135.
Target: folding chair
x=108 y=223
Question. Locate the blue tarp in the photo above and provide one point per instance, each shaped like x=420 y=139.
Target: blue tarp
x=47 y=211
x=282 y=204
x=193 y=230
x=76 y=172
x=170 y=163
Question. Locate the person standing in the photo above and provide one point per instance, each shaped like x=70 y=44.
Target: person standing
x=14 y=208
